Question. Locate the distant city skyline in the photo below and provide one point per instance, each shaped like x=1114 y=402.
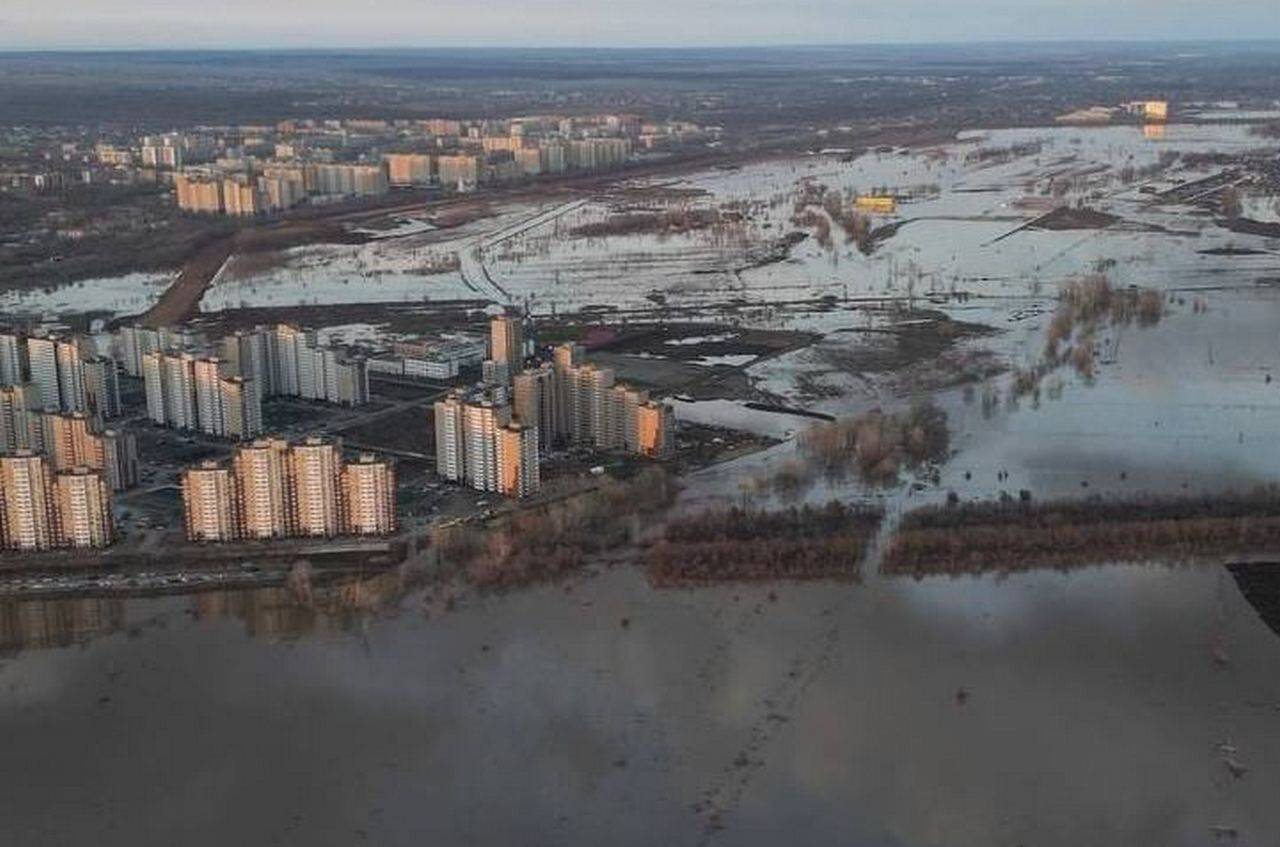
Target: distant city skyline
x=152 y=24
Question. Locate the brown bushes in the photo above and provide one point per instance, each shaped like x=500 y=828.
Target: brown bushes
x=669 y=222
x=1011 y=536
x=744 y=544
x=877 y=444
x=1084 y=305
x=542 y=543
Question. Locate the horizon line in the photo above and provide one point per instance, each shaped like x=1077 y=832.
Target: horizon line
x=580 y=46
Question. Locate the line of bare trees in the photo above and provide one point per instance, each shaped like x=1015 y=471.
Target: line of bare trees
x=748 y=544
x=1010 y=536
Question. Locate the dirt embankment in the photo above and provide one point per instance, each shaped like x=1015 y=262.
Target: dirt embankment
x=181 y=300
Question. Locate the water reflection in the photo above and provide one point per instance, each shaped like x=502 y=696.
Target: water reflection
x=274 y=613
x=38 y=624
x=753 y=715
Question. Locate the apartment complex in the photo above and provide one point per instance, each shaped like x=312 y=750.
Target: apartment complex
x=284 y=360
x=66 y=378
x=221 y=392
x=478 y=444
x=186 y=392
x=226 y=190
x=490 y=436
x=41 y=509
x=68 y=440
x=274 y=489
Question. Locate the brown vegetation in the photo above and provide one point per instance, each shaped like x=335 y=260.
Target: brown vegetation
x=547 y=542
x=817 y=207
x=1011 y=536
x=748 y=545
x=669 y=222
x=876 y=443
x=1085 y=306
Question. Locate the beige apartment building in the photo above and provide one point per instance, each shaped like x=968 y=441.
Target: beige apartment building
x=314 y=478
x=506 y=341
x=406 y=169
x=261 y=497
x=517 y=453
x=43 y=510
x=209 y=503
x=83 y=504
x=369 y=496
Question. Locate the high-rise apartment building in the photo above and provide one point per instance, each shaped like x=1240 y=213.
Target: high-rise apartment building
x=18 y=404
x=13 y=358
x=369 y=496
x=655 y=430
x=186 y=392
x=314 y=470
x=408 y=169
x=209 y=503
x=586 y=395
x=71 y=386
x=287 y=341
x=517 y=453
x=481 y=421
x=41 y=509
x=102 y=387
x=119 y=459
x=506 y=341
x=200 y=193
x=253 y=354
x=74 y=440
x=450 y=443
x=535 y=403
x=42 y=354
x=68 y=440
x=462 y=172
x=241 y=405
x=262 y=498
x=207 y=375
x=477 y=444
x=83 y=503
x=28 y=518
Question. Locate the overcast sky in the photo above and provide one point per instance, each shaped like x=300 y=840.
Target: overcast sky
x=400 y=23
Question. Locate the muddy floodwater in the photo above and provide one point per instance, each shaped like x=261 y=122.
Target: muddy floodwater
x=1106 y=706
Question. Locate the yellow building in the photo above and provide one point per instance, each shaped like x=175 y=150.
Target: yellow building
x=201 y=194
x=655 y=425
x=408 y=168
x=876 y=205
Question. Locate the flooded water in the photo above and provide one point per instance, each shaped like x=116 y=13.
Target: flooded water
x=1044 y=708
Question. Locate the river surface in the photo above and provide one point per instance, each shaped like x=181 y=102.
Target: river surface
x=1045 y=708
